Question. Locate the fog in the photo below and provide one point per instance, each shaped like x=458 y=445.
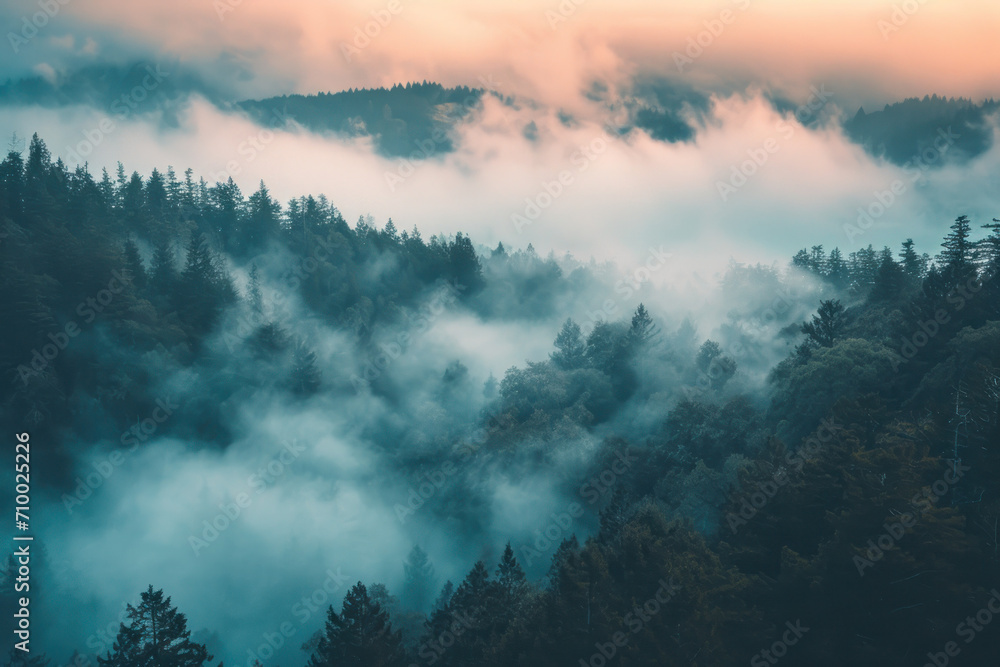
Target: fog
x=753 y=185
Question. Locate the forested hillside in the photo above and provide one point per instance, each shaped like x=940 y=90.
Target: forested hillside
x=902 y=132
x=837 y=507
x=400 y=120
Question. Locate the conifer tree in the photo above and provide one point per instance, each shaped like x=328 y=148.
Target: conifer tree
x=156 y=636
x=570 y=350
x=361 y=635
x=827 y=325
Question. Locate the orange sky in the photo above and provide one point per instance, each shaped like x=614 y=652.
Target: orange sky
x=538 y=49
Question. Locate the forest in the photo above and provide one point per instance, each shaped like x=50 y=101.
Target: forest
x=818 y=482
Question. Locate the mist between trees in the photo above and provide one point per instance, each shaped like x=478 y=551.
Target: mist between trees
x=516 y=408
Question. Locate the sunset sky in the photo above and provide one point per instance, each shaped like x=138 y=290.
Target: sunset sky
x=546 y=50
x=580 y=58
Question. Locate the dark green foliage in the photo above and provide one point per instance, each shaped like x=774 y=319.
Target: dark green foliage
x=642 y=329
x=890 y=281
x=156 y=636
x=957 y=257
x=902 y=131
x=361 y=635
x=205 y=287
x=570 y=349
x=827 y=325
x=848 y=435
x=405 y=119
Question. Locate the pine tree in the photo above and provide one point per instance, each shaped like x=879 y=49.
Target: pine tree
x=801 y=260
x=642 y=328
x=133 y=264
x=262 y=222
x=156 y=636
x=163 y=270
x=469 y=606
x=134 y=212
x=305 y=376
x=18 y=658
x=911 y=262
x=889 y=282
x=827 y=324
x=836 y=270
x=491 y=388
x=989 y=250
x=419 y=574
x=360 y=636
x=989 y=303
x=204 y=289
x=465 y=267
x=390 y=233
x=570 y=350
x=817 y=261
x=12 y=187
x=38 y=203
x=956 y=259
x=511 y=583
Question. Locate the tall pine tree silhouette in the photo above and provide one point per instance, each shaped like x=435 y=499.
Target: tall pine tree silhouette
x=360 y=636
x=156 y=636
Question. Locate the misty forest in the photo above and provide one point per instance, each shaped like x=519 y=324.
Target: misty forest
x=810 y=476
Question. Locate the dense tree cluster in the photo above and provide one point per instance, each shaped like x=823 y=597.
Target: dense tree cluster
x=412 y=118
x=853 y=496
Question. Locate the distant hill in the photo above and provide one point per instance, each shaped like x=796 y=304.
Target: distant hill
x=902 y=131
x=119 y=91
x=401 y=120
